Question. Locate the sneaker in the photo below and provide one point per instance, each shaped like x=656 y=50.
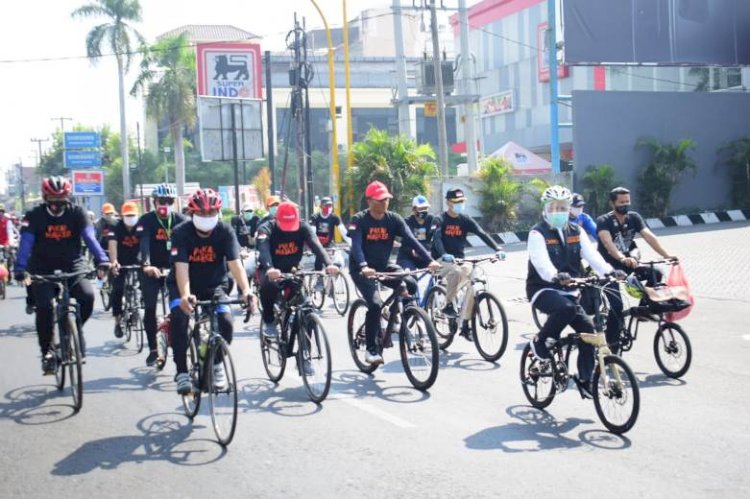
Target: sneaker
x=29 y=309
x=184 y=385
x=118 y=329
x=49 y=364
x=449 y=311
x=539 y=349
x=319 y=285
x=373 y=358
x=220 y=377
x=466 y=332
x=151 y=359
x=586 y=389
x=270 y=330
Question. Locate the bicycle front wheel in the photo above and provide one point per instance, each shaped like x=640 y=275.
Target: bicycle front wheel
x=274 y=356
x=222 y=399
x=420 y=354
x=105 y=292
x=355 y=331
x=139 y=330
x=340 y=294
x=192 y=401
x=314 y=358
x=74 y=361
x=445 y=328
x=616 y=396
x=490 y=325
x=537 y=380
x=672 y=350
x=317 y=288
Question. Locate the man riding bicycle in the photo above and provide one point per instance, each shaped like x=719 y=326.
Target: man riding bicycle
x=123 y=243
x=581 y=219
x=422 y=225
x=154 y=230
x=107 y=221
x=202 y=250
x=449 y=243
x=555 y=249
x=51 y=235
x=617 y=230
x=244 y=226
x=325 y=223
x=7 y=236
x=281 y=244
x=373 y=232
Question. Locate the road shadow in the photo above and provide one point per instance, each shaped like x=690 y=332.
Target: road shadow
x=162 y=437
x=263 y=395
x=37 y=405
x=356 y=384
x=19 y=330
x=114 y=348
x=657 y=380
x=450 y=360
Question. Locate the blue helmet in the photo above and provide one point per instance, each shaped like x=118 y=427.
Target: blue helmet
x=164 y=191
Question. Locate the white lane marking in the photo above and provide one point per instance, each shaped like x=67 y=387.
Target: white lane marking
x=385 y=416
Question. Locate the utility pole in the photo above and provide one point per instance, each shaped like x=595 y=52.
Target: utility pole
x=270 y=120
x=404 y=122
x=437 y=62
x=470 y=136
x=308 y=142
x=21 y=185
x=140 y=165
x=39 y=145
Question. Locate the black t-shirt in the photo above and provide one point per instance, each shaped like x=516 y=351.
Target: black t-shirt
x=207 y=257
x=423 y=234
x=623 y=235
x=372 y=240
x=324 y=227
x=452 y=232
x=155 y=235
x=283 y=250
x=57 y=240
x=128 y=243
x=242 y=230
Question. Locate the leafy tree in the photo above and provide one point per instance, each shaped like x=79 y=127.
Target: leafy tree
x=737 y=159
x=397 y=161
x=500 y=194
x=167 y=80
x=262 y=184
x=116 y=34
x=596 y=183
x=659 y=177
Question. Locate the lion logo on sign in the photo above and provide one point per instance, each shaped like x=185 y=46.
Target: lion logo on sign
x=231 y=64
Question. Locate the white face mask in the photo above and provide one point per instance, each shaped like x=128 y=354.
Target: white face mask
x=130 y=220
x=205 y=224
x=576 y=212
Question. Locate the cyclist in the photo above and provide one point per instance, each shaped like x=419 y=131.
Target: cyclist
x=448 y=243
x=325 y=223
x=372 y=232
x=7 y=235
x=280 y=247
x=51 y=240
x=154 y=230
x=243 y=226
x=202 y=250
x=124 y=244
x=422 y=226
x=272 y=204
x=555 y=249
x=617 y=230
x=581 y=219
x=107 y=221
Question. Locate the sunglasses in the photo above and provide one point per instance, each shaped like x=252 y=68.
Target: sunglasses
x=165 y=201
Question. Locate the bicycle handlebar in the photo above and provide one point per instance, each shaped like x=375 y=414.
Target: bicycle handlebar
x=477 y=261
x=215 y=302
x=382 y=276
x=60 y=276
x=667 y=261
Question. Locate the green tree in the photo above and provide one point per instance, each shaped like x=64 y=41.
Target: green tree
x=116 y=34
x=500 y=194
x=736 y=156
x=596 y=183
x=397 y=161
x=262 y=184
x=662 y=173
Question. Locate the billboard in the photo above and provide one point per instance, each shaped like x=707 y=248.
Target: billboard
x=499 y=103
x=229 y=70
x=215 y=126
x=689 y=32
x=88 y=183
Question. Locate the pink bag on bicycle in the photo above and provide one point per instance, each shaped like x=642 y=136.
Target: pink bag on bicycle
x=677 y=279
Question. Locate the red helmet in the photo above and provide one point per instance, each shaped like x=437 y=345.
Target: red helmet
x=204 y=200
x=56 y=186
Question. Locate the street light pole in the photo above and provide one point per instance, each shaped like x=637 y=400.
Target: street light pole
x=437 y=63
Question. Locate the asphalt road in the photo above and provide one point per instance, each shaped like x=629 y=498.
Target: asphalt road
x=472 y=435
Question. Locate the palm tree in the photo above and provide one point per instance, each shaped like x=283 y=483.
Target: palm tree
x=116 y=33
x=167 y=79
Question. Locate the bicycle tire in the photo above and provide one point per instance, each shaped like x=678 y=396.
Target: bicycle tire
x=105 y=293
x=539 y=317
x=223 y=421
x=355 y=333
x=272 y=351
x=445 y=328
x=2 y=289
x=494 y=349
x=74 y=361
x=162 y=345
x=667 y=347
x=317 y=296
x=60 y=367
x=614 y=392
x=341 y=306
x=191 y=402
x=313 y=341
x=531 y=376
x=416 y=344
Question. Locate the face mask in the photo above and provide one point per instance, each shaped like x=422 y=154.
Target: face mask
x=110 y=219
x=622 y=209
x=272 y=211
x=56 y=208
x=248 y=215
x=205 y=224
x=163 y=211
x=557 y=219
x=130 y=220
x=459 y=207
x=421 y=215
x=325 y=211
x=576 y=212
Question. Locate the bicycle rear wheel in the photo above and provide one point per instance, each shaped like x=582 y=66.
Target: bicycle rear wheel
x=616 y=396
x=445 y=328
x=105 y=293
x=314 y=358
x=420 y=354
x=537 y=380
x=192 y=401
x=672 y=350
x=222 y=400
x=317 y=289
x=340 y=295
x=274 y=355
x=355 y=331
x=74 y=361
x=490 y=326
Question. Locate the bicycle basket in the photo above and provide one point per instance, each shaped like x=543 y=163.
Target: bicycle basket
x=662 y=298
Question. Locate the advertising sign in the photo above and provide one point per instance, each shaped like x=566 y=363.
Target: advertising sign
x=542 y=55
x=230 y=70
x=500 y=103
x=83 y=159
x=82 y=140
x=88 y=183
x=430 y=109
x=215 y=126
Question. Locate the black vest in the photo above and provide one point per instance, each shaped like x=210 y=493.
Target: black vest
x=565 y=257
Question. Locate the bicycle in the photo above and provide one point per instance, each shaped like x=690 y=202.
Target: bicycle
x=418 y=344
x=335 y=286
x=66 y=339
x=206 y=348
x=105 y=290
x=614 y=385
x=672 y=349
x=5 y=270
x=132 y=315
x=163 y=338
x=295 y=317
x=487 y=316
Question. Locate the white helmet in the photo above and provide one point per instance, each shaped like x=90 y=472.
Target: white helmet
x=556 y=193
x=420 y=202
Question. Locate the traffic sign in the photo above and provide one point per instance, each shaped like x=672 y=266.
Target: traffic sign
x=83 y=159
x=82 y=140
x=88 y=183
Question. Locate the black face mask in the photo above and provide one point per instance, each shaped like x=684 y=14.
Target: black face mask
x=622 y=209
x=57 y=207
x=421 y=215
